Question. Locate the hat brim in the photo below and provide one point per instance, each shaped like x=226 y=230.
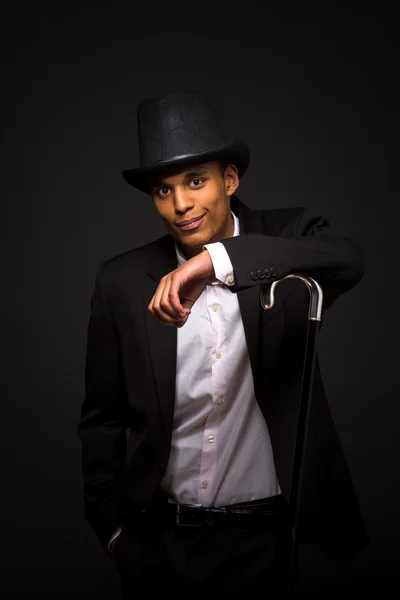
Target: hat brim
x=236 y=153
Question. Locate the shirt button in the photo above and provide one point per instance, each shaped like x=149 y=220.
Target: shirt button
x=219 y=400
x=210 y=438
x=218 y=354
x=204 y=484
x=230 y=279
x=215 y=307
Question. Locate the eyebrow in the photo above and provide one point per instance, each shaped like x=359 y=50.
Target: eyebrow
x=187 y=175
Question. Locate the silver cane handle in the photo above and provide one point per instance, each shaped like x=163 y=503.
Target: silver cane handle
x=316 y=295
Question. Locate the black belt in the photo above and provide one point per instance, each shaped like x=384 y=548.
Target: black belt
x=266 y=510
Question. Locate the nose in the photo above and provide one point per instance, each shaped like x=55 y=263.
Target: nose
x=182 y=200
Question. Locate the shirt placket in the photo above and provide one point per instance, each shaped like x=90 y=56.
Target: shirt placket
x=209 y=454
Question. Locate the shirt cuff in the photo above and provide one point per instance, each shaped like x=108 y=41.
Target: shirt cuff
x=223 y=268
x=114 y=537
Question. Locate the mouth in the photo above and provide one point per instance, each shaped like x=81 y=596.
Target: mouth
x=190 y=224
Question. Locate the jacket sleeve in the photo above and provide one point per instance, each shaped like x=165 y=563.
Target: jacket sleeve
x=102 y=427
x=310 y=246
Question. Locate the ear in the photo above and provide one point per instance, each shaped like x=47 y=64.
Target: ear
x=231 y=179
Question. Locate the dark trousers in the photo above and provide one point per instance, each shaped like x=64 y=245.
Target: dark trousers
x=217 y=562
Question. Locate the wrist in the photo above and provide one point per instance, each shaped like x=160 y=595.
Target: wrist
x=209 y=267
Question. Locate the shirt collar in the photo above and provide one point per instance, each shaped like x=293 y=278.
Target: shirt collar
x=236 y=231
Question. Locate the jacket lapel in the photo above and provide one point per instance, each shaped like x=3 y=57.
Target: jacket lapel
x=249 y=299
x=162 y=339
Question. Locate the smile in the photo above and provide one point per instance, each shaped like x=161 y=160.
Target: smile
x=192 y=224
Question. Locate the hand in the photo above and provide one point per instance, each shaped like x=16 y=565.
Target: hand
x=178 y=291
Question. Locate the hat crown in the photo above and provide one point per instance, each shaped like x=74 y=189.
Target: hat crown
x=176 y=125
x=177 y=130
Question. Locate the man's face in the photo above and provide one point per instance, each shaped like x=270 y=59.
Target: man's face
x=194 y=204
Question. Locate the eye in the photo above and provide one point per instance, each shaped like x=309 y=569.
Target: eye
x=160 y=190
x=197 y=179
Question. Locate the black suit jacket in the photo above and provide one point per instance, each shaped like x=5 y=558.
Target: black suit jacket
x=126 y=418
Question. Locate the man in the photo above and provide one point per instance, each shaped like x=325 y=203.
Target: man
x=192 y=389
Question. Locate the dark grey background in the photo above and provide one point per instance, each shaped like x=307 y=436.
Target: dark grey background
x=316 y=98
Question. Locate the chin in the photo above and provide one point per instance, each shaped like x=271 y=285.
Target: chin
x=195 y=239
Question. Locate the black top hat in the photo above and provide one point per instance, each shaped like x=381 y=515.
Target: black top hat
x=177 y=130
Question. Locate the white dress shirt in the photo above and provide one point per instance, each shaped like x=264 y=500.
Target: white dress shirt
x=221 y=449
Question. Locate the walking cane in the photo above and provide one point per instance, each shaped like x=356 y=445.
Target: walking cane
x=314 y=323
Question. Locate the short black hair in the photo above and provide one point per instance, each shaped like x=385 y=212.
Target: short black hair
x=222 y=166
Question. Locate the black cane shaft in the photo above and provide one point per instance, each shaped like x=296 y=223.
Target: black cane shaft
x=298 y=461
x=303 y=418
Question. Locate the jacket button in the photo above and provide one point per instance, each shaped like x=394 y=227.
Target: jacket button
x=261 y=274
x=254 y=275
x=267 y=273
x=274 y=272
x=162 y=466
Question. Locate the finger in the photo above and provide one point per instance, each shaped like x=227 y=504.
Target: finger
x=155 y=299
x=153 y=306
x=174 y=288
x=170 y=323
x=182 y=322
x=166 y=304
x=157 y=304
x=161 y=321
